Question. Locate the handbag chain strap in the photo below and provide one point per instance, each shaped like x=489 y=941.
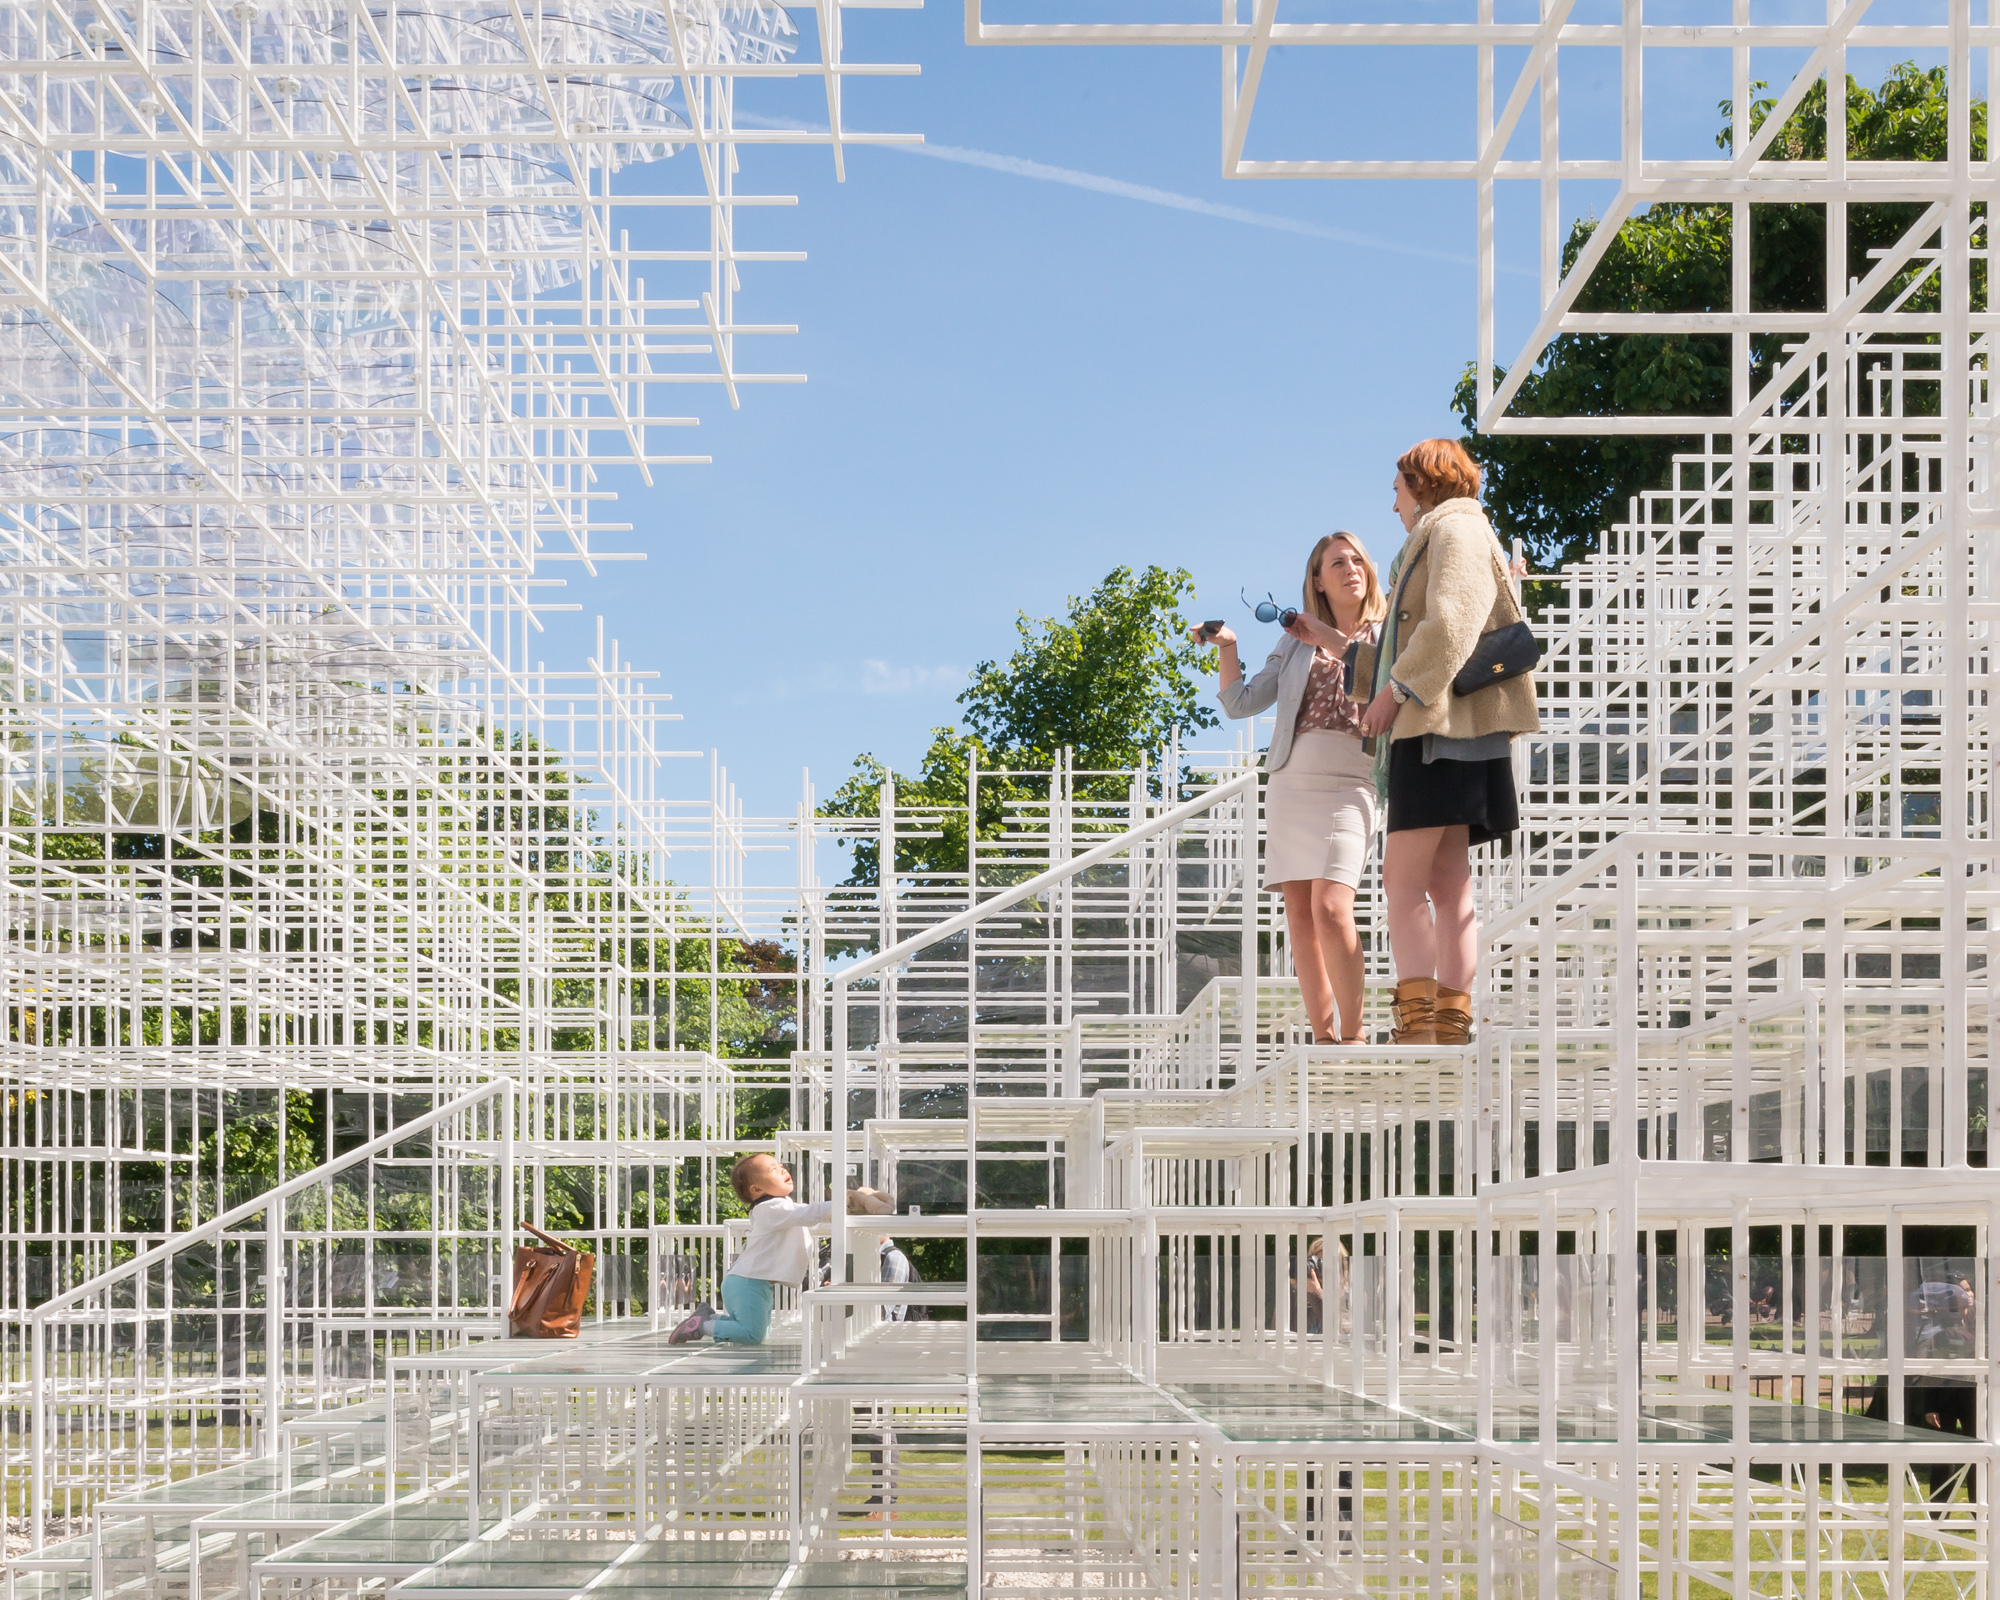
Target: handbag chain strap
x=1506 y=585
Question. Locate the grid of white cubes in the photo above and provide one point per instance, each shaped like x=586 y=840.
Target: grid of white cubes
x=1679 y=1279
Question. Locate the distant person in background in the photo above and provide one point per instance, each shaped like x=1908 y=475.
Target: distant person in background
x=1320 y=805
x=896 y=1268
x=1948 y=1405
x=1447 y=773
x=1941 y=1318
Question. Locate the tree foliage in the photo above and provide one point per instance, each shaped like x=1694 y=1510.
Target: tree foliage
x=1557 y=494
x=1110 y=681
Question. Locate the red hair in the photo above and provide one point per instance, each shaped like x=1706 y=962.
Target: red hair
x=1438 y=470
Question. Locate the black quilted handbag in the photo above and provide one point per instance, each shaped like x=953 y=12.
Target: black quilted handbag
x=1505 y=653
x=1502 y=654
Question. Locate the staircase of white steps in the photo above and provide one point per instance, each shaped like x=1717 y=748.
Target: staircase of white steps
x=153 y=1544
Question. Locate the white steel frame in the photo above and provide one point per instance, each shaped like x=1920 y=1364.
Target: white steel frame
x=1727 y=1116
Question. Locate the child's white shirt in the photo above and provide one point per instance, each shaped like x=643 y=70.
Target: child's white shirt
x=780 y=1247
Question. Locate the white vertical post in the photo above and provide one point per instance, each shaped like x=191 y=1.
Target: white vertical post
x=509 y=1227
x=1246 y=1059
x=274 y=1326
x=1394 y=1291
x=837 y=1115
x=39 y=1411
x=1955 y=791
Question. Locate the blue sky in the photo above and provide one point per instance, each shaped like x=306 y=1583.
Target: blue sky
x=1018 y=382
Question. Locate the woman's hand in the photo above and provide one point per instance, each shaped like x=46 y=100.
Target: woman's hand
x=870 y=1202
x=1518 y=567
x=1381 y=713
x=1222 y=635
x=1308 y=629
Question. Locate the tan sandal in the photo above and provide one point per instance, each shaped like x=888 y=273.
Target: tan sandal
x=1416 y=1010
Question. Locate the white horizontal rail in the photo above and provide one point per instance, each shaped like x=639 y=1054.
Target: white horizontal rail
x=218 y=1226
x=1543 y=902
x=271 y=1204
x=1244 y=782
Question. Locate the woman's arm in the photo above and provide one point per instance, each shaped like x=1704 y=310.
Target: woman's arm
x=1462 y=585
x=1229 y=665
x=1244 y=696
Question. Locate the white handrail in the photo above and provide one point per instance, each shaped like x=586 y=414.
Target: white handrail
x=1542 y=901
x=217 y=1226
x=902 y=950
x=270 y=1202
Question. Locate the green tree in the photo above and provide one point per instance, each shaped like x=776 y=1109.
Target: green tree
x=1110 y=681
x=1558 y=494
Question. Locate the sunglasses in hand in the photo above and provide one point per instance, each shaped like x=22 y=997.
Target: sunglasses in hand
x=1268 y=610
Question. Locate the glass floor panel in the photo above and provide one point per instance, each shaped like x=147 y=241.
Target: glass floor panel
x=774 y=1359
x=1023 y=1398
x=1705 y=1422
x=71 y=1553
x=399 y=1537
x=838 y=1580
x=531 y=1568
x=1308 y=1412
x=143 y=1537
x=1778 y=1423
x=534 y=1569
x=228 y=1486
x=367 y=1415
x=704 y=1566
x=66 y=1585
x=606 y=1361
x=329 y=1503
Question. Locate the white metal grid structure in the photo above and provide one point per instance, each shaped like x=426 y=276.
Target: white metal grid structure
x=1764 y=710
x=318 y=325
x=1683 y=1277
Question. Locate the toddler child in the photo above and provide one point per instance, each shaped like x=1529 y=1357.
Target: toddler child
x=780 y=1250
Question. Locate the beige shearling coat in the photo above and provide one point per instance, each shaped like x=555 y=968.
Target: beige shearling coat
x=1450 y=591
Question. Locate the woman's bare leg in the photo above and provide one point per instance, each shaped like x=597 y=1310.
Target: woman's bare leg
x=1408 y=856
x=1340 y=949
x=1307 y=959
x=1455 y=924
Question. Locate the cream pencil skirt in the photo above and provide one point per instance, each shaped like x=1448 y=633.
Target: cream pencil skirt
x=1320 y=811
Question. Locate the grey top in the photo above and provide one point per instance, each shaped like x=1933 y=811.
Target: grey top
x=1486 y=747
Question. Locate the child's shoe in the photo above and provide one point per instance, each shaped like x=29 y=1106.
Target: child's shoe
x=695 y=1326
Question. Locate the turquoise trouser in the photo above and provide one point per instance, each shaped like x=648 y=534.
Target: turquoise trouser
x=746 y=1310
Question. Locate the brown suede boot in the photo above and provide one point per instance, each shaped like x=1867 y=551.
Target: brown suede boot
x=1454 y=1016
x=1416 y=1003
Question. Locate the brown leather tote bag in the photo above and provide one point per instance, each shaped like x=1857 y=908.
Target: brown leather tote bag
x=551 y=1283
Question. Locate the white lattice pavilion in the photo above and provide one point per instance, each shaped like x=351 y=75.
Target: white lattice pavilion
x=317 y=322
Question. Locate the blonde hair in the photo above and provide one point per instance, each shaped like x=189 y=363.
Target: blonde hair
x=1374 y=606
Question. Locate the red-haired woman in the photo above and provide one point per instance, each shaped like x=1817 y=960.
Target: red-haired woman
x=1447 y=775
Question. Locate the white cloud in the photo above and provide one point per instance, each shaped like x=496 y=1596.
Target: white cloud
x=1145 y=194
x=870 y=677
x=882 y=677
x=1041 y=172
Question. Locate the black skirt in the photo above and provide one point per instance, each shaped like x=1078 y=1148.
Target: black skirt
x=1477 y=795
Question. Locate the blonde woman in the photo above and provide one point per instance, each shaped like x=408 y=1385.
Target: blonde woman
x=1320 y=806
